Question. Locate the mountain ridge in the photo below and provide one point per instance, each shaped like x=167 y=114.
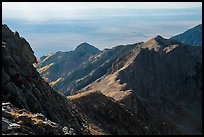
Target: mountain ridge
x=85 y=72
x=193 y=36
x=59 y=64
x=127 y=83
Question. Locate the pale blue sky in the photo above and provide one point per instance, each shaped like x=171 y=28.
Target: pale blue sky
x=50 y=27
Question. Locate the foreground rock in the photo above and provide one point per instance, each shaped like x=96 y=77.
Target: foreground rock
x=23 y=87
x=21 y=122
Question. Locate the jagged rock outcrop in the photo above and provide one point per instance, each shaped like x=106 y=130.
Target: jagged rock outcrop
x=159 y=81
x=21 y=122
x=21 y=83
x=23 y=87
x=192 y=36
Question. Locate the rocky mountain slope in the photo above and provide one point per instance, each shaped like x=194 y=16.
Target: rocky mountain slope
x=156 y=88
x=192 y=36
x=111 y=116
x=97 y=66
x=21 y=122
x=159 y=81
x=31 y=107
x=68 y=81
x=55 y=66
x=23 y=88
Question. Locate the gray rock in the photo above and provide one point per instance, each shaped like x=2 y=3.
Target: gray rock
x=25 y=89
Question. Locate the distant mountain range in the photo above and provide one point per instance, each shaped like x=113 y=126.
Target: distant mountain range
x=192 y=36
x=58 y=65
x=68 y=72
x=151 y=88
x=137 y=69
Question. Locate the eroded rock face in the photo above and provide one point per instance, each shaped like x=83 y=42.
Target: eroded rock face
x=23 y=87
x=161 y=83
x=169 y=85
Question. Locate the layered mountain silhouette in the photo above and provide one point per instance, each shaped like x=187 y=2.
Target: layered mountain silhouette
x=68 y=72
x=149 y=88
x=31 y=107
x=56 y=66
x=192 y=36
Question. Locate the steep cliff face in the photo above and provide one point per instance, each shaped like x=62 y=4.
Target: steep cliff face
x=23 y=87
x=161 y=83
x=21 y=83
x=169 y=82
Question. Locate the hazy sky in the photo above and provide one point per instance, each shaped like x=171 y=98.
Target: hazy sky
x=58 y=26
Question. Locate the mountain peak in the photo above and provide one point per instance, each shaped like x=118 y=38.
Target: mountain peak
x=158 y=37
x=86 y=46
x=82 y=45
x=156 y=43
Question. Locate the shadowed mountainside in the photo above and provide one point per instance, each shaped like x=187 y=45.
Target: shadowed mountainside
x=23 y=87
x=192 y=36
x=161 y=82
